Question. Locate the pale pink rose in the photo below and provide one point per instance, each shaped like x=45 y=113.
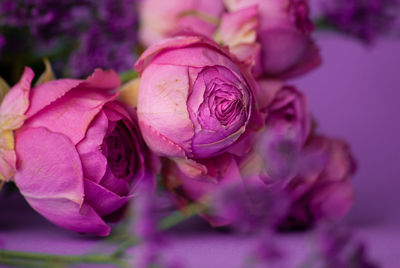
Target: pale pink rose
x=160 y=19
x=194 y=100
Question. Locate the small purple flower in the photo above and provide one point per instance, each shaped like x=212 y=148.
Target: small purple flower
x=266 y=253
x=338 y=248
x=46 y=19
x=110 y=41
x=364 y=19
x=97 y=49
x=152 y=241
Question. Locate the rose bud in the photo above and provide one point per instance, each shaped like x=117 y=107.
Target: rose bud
x=322 y=188
x=160 y=19
x=283 y=35
x=80 y=154
x=194 y=101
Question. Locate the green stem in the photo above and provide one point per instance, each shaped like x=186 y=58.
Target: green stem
x=124 y=246
x=23 y=263
x=6 y=255
x=179 y=216
x=323 y=25
x=42 y=260
x=128 y=75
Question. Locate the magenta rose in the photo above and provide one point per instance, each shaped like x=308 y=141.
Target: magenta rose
x=80 y=155
x=194 y=100
x=322 y=188
x=281 y=40
x=160 y=19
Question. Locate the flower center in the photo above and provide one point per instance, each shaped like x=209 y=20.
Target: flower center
x=121 y=154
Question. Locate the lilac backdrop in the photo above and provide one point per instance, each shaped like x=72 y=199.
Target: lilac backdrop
x=354 y=95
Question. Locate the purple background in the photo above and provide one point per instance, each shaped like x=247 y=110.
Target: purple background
x=354 y=95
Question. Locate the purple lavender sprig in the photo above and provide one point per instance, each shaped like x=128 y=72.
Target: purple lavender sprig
x=363 y=19
x=110 y=41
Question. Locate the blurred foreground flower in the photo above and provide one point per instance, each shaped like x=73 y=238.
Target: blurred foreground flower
x=79 y=153
x=337 y=247
x=149 y=253
x=249 y=207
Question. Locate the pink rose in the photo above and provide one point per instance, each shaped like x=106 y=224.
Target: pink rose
x=322 y=188
x=194 y=100
x=160 y=19
x=272 y=162
x=80 y=155
x=283 y=47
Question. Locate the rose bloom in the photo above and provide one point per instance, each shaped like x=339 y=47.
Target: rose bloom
x=281 y=41
x=276 y=157
x=160 y=19
x=194 y=101
x=322 y=188
x=80 y=155
x=270 y=163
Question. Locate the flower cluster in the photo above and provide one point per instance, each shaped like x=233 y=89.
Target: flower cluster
x=225 y=120
x=213 y=103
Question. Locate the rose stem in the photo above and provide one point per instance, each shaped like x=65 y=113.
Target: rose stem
x=11 y=257
x=179 y=216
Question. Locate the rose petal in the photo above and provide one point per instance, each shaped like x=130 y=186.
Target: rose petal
x=102 y=199
x=162 y=96
x=177 y=42
x=70 y=215
x=76 y=109
x=114 y=184
x=48 y=166
x=47 y=93
x=94 y=163
x=16 y=102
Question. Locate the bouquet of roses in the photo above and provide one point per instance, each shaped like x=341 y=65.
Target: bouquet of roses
x=210 y=116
